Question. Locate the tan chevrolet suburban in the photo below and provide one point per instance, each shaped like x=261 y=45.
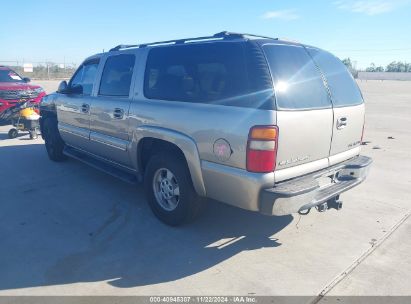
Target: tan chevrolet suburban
x=259 y=123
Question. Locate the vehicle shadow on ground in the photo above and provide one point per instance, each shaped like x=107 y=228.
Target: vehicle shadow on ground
x=76 y=224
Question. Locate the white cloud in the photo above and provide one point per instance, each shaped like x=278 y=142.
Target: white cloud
x=281 y=14
x=370 y=7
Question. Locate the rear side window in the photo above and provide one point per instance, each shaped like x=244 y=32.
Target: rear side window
x=204 y=73
x=297 y=81
x=116 y=77
x=85 y=76
x=344 y=91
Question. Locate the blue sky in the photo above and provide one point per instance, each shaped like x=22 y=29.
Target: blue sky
x=365 y=30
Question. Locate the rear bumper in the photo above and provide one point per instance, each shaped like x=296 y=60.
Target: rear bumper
x=305 y=192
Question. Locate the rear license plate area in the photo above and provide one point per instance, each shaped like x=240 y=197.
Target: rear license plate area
x=326 y=180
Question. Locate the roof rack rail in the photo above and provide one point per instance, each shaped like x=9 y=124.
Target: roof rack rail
x=217 y=36
x=242 y=35
x=122 y=46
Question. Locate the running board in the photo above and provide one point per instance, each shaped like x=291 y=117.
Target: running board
x=102 y=165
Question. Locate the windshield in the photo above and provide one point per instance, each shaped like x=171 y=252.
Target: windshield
x=9 y=76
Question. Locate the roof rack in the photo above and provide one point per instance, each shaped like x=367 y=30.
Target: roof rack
x=218 y=36
x=245 y=35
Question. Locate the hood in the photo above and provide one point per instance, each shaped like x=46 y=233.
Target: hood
x=17 y=86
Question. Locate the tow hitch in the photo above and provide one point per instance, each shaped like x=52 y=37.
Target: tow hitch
x=333 y=203
x=322 y=207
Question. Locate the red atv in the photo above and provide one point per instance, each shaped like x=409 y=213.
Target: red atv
x=14 y=89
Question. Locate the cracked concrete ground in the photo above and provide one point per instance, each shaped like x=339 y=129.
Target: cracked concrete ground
x=67 y=229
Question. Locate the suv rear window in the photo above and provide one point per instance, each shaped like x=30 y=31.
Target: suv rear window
x=344 y=90
x=203 y=73
x=297 y=81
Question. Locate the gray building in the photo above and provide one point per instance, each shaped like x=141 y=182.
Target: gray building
x=384 y=76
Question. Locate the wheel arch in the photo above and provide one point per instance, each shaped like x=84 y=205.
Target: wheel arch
x=47 y=110
x=161 y=138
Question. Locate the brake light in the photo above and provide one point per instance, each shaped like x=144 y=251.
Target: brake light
x=262 y=149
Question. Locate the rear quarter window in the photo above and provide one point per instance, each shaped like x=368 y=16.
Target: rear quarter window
x=212 y=73
x=297 y=80
x=343 y=88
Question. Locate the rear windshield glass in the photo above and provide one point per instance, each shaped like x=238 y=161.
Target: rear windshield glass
x=297 y=81
x=214 y=73
x=343 y=88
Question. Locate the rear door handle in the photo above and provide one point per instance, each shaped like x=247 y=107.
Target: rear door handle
x=118 y=113
x=85 y=108
x=341 y=123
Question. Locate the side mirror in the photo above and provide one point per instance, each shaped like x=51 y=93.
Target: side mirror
x=62 y=87
x=76 y=89
x=26 y=79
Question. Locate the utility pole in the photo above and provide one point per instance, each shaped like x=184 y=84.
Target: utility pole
x=48 y=70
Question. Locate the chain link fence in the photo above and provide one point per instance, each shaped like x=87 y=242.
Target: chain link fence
x=42 y=70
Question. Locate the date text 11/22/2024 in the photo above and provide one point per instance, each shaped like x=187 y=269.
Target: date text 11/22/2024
x=203 y=299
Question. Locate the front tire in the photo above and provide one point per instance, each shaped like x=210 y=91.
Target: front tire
x=53 y=141
x=169 y=189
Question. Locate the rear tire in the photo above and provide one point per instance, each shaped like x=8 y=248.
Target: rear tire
x=53 y=141
x=13 y=133
x=170 y=191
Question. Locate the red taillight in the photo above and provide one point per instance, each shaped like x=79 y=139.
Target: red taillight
x=262 y=149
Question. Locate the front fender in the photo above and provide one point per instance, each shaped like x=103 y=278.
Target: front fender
x=185 y=143
x=47 y=109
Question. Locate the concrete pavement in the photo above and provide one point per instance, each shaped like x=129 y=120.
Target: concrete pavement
x=67 y=229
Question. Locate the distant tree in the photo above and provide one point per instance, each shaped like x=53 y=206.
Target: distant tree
x=40 y=71
x=373 y=68
x=348 y=63
x=398 y=66
x=401 y=66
